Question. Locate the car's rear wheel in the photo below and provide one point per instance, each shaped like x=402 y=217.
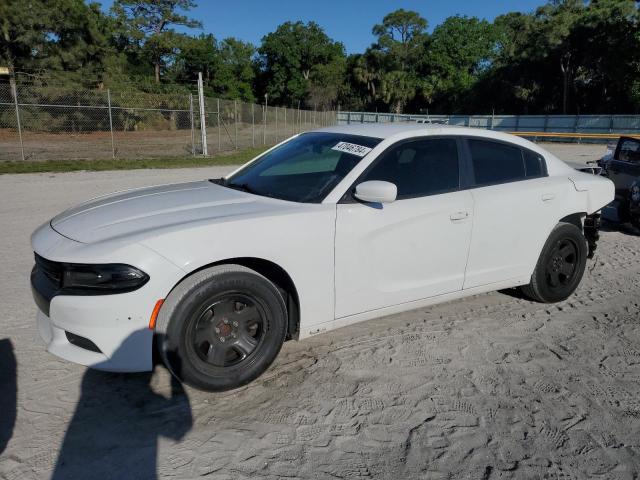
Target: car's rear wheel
x=560 y=267
x=221 y=328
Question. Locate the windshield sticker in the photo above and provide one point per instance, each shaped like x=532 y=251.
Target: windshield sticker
x=352 y=148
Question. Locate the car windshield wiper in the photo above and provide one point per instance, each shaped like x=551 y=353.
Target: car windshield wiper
x=241 y=186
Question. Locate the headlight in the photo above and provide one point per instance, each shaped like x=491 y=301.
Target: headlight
x=110 y=278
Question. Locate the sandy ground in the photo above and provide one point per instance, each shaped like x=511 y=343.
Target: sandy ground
x=493 y=386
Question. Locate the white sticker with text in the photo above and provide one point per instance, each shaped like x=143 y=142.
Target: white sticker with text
x=352 y=148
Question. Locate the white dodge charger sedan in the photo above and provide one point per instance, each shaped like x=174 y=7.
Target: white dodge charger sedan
x=326 y=229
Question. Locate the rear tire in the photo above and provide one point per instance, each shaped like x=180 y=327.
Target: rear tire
x=221 y=328
x=560 y=267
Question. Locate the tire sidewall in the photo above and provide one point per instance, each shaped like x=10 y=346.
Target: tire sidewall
x=561 y=232
x=173 y=333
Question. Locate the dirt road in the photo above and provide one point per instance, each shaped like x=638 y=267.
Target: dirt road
x=490 y=387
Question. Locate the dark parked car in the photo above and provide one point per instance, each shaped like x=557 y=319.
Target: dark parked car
x=623 y=168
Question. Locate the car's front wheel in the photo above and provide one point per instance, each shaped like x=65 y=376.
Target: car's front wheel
x=560 y=266
x=221 y=327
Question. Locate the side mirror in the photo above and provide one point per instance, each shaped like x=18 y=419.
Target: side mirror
x=376 y=191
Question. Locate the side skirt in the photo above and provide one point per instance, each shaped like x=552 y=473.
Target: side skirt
x=403 y=307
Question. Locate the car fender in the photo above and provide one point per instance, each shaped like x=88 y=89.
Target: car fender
x=300 y=242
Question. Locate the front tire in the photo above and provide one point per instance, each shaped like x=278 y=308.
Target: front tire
x=560 y=267
x=221 y=328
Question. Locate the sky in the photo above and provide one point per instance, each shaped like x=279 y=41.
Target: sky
x=347 y=21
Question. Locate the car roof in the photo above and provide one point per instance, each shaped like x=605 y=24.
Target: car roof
x=390 y=130
x=400 y=130
x=384 y=130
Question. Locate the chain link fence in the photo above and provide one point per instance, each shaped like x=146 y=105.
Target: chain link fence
x=62 y=123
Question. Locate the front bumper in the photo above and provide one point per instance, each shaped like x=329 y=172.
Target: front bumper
x=113 y=345
x=106 y=332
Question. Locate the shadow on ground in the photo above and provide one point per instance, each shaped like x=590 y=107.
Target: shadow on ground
x=116 y=427
x=8 y=392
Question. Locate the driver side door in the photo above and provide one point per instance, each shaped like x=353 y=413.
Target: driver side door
x=410 y=249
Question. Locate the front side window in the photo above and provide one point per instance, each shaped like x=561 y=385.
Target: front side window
x=304 y=169
x=495 y=163
x=630 y=150
x=419 y=168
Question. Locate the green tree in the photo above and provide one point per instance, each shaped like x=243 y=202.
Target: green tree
x=458 y=52
x=401 y=35
x=290 y=55
x=149 y=24
x=388 y=67
x=235 y=76
x=197 y=54
x=56 y=35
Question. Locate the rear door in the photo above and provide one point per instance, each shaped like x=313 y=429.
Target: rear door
x=624 y=169
x=514 y=201
x=410 y=249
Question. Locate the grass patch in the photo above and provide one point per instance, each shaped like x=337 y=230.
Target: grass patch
x=232 y=158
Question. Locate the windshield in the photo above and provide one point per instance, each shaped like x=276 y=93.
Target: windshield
x=304 y=169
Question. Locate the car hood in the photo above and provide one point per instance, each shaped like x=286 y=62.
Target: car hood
x=146 y=210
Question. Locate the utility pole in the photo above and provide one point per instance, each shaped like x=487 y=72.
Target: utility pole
x=203 y=117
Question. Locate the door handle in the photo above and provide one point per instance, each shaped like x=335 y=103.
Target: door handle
x=547 y=196
x=457 y=216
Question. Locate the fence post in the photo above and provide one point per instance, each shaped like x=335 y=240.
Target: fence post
x=113 y=143
x=253 y=125
x=14 y=90
x=219 y=127
x=276 y=124
x=285 y=122
x=203 y=116
x=193 y=129
x=235 y=120
x=264 y=120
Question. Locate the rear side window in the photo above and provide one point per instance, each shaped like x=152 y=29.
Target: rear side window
x=495 y=163
x=419 y=168
x=533 y=164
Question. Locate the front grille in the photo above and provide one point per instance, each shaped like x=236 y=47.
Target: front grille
x=51 y=270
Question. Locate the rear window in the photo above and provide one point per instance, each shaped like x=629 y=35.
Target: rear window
x=495 y=163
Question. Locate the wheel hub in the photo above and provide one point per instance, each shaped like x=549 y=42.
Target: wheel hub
x=228 y=331
x=225 y=329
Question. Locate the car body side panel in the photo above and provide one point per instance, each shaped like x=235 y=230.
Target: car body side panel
x=594 y=192
x=300 y=241
x=402 y=251
x=511 y=223
x=623 y=174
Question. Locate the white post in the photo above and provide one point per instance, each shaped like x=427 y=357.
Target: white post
x=15 y=101
x=203 y=117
